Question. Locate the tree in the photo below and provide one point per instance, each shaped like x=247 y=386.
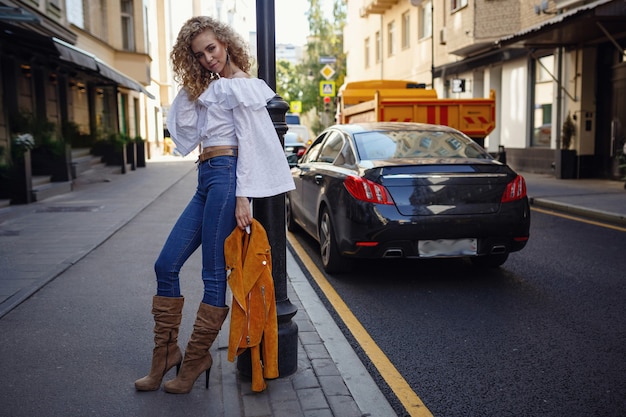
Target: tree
x=301 y=82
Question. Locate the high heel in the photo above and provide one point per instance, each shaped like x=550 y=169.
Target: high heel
x=166 y=354
x=197 y=356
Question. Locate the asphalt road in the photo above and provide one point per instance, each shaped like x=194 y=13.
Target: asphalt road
x=545 y=335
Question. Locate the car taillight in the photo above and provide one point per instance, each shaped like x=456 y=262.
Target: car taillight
x=515 y=190
x=300 y=152
x=366 y=190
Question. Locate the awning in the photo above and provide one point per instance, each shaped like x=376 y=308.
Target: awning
x=83 y=59
x=22 y=41
x=74 y=55
x=479 y=61
x=582 y=25
x=121 y=79
x=589 y=24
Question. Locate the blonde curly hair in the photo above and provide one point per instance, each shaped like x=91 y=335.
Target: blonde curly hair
x=187 y=70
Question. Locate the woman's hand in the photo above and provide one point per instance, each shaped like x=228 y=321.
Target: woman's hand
x=243 y=214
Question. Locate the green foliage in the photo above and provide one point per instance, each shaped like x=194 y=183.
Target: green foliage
x=71 y=134
x=621 y=159
x=567 y=132
x=44 y=134
x=20 y=144
x=301 y=81
x=119 y=140
x=43 y=130
x=4 y=166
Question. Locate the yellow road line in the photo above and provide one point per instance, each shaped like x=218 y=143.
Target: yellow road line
x=411 y=402
x=578 y=219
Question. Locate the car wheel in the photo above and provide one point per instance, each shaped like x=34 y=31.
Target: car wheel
x=292 y=226
x=331 y=259
x=490 y=261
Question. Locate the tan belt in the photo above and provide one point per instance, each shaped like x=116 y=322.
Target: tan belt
x=208 y=154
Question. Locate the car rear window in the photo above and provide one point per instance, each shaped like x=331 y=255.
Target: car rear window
x=416 y=144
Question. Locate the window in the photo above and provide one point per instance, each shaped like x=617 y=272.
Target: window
x=346 y=157
x=543 y=96
x=54 y=8
x=75 y=12
x=332 y=147
x=312 y=152
x=406 y=30
x=366 y=52
x=378 y=47
x=391 y=28
x=457 y=4
x=426 y=20
x=128 y=30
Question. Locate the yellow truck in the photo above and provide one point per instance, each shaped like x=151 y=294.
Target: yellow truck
x=404 y=101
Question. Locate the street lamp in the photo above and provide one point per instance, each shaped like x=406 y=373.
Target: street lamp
x=271 y=211
x=419 y=3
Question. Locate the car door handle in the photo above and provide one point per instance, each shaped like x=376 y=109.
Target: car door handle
x=318 y=179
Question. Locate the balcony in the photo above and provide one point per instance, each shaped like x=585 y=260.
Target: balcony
x=376 y=7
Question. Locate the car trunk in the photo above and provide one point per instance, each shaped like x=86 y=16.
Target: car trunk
x=448 y=189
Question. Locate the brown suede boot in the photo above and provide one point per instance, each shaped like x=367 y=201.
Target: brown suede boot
x=167 y=313
x=197 y=356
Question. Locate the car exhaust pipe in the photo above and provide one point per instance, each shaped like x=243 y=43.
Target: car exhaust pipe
x=393 y=253
x=498 y=250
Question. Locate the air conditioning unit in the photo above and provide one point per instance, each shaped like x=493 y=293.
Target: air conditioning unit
x=442 y=36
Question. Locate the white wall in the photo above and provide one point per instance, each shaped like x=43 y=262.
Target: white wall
x=513 y=104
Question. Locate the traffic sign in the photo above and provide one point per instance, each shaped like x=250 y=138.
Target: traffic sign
x=327 y=88
x=295 y=106
x=327 y=72
x=328 y=60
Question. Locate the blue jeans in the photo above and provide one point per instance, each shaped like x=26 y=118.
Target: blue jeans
x=207 y=221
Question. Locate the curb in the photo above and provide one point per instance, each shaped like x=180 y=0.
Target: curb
x=577 y=210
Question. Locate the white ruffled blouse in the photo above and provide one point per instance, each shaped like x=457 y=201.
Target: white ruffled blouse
x=232 y=111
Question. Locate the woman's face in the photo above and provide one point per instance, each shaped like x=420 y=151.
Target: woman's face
x=210 y=52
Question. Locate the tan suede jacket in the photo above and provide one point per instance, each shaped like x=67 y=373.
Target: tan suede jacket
x=253 y=321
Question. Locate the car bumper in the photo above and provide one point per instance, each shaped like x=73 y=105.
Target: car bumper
x=380 y=232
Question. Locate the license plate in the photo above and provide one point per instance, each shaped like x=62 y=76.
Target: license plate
x=447 y=247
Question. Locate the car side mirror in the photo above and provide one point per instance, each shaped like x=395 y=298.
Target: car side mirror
x=292 y=160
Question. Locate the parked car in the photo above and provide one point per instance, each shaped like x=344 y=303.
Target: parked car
x=294 y=147
x=302 y=131
x=292 y=118
x=406 y=190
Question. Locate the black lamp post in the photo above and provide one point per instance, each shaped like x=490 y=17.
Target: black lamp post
x=270 y=212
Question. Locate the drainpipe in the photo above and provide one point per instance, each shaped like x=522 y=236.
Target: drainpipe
x=559 y=98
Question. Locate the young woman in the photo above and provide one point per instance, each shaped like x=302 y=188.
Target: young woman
x=222 y=110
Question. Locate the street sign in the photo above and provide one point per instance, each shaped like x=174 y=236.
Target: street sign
x=458 y=85
x=328 y=60
x=295 y=106
x=327 y=72
x=327 y=88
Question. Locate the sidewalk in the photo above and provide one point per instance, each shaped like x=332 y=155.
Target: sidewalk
x=596 y=198
x=77 y=334
x=76 y=284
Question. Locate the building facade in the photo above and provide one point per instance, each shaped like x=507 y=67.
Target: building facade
x=551 y=63
x=92 y=70
x=78 y=63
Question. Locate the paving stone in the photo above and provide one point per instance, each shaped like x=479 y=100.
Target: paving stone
x=312 y=399
x=324 y=367
x=333 y=385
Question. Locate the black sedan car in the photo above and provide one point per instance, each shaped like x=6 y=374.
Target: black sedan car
x=406 y=190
